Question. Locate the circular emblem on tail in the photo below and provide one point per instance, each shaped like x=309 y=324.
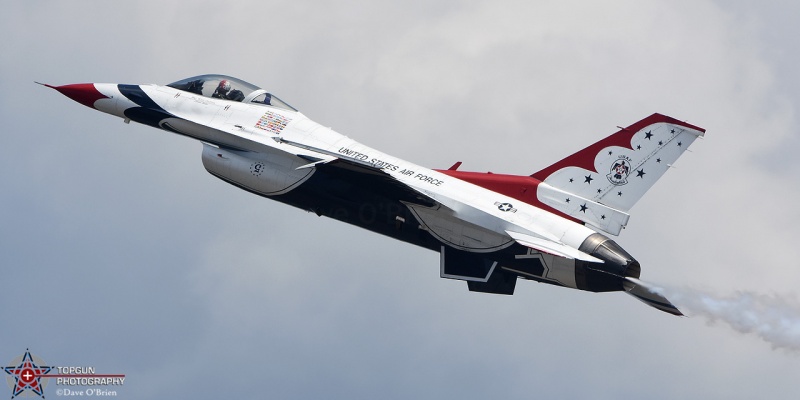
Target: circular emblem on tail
x=620 y=171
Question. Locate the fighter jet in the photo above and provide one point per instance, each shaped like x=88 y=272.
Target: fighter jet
x=489 y=229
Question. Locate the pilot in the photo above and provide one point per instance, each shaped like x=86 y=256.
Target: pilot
x=267 y=99
x=224 y=91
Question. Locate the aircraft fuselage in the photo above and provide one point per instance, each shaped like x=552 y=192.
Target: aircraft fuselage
x=486 y=231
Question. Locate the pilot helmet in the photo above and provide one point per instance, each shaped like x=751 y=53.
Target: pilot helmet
x=224 y=86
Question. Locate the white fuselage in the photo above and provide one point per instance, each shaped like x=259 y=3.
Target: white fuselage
x=489 y=229
x=236 y=125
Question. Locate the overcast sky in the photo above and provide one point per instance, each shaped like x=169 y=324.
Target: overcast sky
x=119 y=251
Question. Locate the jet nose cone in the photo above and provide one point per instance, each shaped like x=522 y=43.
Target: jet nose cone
x=84 y=93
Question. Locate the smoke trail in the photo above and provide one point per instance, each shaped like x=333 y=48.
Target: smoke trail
x=775 y=319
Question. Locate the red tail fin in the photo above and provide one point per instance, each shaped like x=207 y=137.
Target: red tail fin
x=619 y=169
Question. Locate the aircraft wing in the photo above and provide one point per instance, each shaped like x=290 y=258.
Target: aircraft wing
x=367 y=175
x=362 y=173
x=378 y=180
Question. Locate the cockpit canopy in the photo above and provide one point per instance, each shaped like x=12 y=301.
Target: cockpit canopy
x=229 y=88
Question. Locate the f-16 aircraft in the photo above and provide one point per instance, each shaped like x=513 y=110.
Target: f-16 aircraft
x=489 y=229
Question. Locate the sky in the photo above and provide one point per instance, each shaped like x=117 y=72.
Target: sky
x=118 y=251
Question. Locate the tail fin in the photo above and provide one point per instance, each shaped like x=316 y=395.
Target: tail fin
x=615 y=172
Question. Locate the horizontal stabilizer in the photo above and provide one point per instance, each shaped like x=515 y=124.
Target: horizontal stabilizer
x=649 y=295
x=595 y=214
x=551 y=247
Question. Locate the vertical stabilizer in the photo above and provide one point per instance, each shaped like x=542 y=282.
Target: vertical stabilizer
x=616 y=171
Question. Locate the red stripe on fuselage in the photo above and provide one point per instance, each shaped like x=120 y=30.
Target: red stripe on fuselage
x=522 y=188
